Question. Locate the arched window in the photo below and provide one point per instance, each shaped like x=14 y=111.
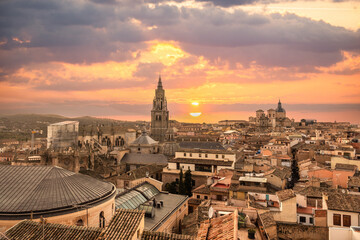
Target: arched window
x=101 y=220
x=80 y=222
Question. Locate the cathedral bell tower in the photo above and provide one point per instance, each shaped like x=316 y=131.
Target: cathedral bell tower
x=159 y=114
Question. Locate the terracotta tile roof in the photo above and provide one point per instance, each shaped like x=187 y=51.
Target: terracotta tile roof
x=344 y=202
x=267 y=219
x=124 y=224
x=142 y=171
x=202 y=189
x=33 y=230
x=286 y=194
x=354 y=181
x=318 y=191
x=148 y=235
x=218 y=228
x=284 y=173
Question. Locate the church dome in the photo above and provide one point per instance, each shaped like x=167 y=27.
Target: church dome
x=144 y=139
x=279 y=108
x=48 y=190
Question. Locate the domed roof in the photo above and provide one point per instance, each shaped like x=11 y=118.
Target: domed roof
x=279 y=108
x=27 y=189
x=144 y=139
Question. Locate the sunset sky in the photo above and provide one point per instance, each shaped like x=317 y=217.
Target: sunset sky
x=103 y=58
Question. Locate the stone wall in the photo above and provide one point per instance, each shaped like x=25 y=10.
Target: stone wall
x=297 y=231
x=322 y=158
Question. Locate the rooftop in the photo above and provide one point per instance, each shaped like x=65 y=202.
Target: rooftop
x=253 y=179
x=142 y=171
x=354 y=181
x=144 y=195
x=27 y=229
x=208 y=145
x=144 y=159
x=222 y=162
x=171 y=204
x=218 y=228
x=148 y=235
x=344 y=202
x=318 y=191
x=286 y=194
x=124 y=224
x=144 y=139
x=42 y=188
x=64 y=123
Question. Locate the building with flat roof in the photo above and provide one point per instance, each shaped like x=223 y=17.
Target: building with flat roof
x=62 y=135
x=163 y=211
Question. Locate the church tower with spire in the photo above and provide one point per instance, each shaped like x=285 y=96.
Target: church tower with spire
x=159 y=114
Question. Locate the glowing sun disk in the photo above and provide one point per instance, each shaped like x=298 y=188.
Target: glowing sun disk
x=195 y=114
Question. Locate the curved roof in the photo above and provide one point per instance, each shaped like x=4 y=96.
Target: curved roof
x=144 y=139
x=41 y=188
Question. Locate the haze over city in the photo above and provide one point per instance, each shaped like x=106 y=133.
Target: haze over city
x=103 y=58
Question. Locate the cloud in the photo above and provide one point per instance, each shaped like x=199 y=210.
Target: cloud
x=88 y=32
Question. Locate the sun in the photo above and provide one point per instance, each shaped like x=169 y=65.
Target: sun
x=195 y=114
x=195 y=103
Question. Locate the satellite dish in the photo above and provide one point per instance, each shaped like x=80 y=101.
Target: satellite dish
x=147 y=174
x=211 y=212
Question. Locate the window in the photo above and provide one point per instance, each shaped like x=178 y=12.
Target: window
x=184 y=154
x=217 y=156
x=190 y=154
x=197 y=196
x=346 y=220
x=202 y=168
x=102 y=220
x=205 y=197
x=223 y=156
x=80 y=222
x=303 y=219
x=337 y=219
x=311 y=220
x=199 y=154
x=206 y=155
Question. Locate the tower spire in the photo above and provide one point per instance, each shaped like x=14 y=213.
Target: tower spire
x=160 y=83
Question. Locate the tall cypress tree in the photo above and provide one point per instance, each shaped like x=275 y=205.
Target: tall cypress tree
x=188 y=183
x=295 y=175
x=182 y=189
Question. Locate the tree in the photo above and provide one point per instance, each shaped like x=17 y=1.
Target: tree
x=182 y=189
x=171 y=187
x=295 y=176
x=188 y=183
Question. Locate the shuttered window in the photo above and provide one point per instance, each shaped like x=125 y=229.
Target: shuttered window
x=337 y=219
x=346 y=220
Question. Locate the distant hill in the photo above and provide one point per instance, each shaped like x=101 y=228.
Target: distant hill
x=19 y=126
